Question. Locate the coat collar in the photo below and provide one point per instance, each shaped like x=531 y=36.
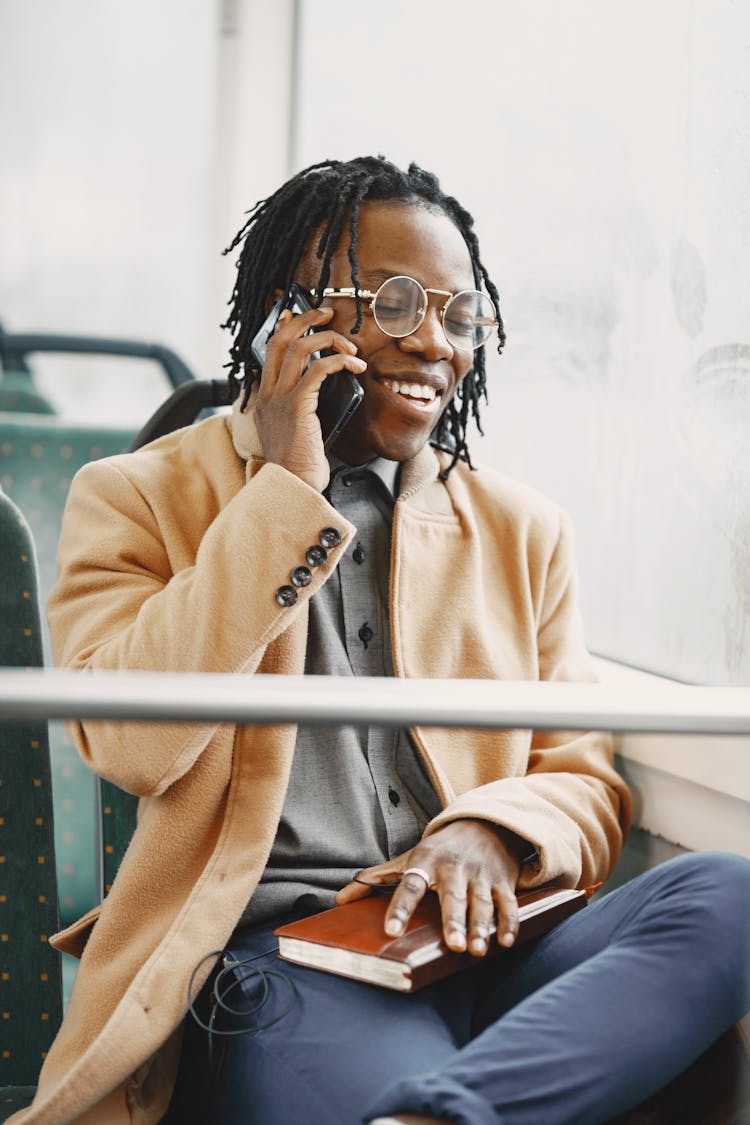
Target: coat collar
x=419 y=476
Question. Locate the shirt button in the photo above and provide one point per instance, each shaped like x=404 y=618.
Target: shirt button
x=286 y=595
x=393 y=796
x=365 y=634
x=316 y=555
x=359 y=554
x=301 y=576
x=330 y=537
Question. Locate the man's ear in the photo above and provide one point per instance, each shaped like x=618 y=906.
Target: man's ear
x=271 y=299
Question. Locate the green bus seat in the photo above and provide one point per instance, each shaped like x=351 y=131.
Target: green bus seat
x=39 y=454
x=38 y=457
x=18 y=394
x=30 y=973
x=16 y=347
x=31 y=976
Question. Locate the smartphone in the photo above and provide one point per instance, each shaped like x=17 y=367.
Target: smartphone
x=340 y=393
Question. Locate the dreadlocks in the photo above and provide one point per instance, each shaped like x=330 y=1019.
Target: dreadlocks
x=323 y=198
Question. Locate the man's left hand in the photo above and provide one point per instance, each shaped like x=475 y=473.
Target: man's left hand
x=473 y=865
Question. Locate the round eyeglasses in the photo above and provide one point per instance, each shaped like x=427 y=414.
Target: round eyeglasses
x=399 y=307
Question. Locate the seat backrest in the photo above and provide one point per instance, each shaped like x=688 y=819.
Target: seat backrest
x=187 y=403
x=38 y=459
x=39 y=456
x=17 y=347
x=30 y=975
x=18 y=394
x=31 y=979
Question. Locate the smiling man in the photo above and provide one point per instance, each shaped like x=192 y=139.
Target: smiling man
x=414 y=346
x=243 y=545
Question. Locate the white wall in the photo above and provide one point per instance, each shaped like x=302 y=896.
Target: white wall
x=106 y=120
x=604 y=150
x=128 y=156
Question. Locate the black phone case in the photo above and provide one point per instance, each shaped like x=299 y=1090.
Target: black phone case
x=340 y=394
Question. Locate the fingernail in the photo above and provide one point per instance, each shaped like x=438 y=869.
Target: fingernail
x=360 y=363
x=457 y=938
x=393 y=927
x=507 y=939
x=479 y=945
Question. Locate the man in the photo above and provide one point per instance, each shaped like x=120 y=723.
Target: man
x=240 y=546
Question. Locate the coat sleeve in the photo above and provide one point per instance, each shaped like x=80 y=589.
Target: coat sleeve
x=145 y=585
x=571 y=805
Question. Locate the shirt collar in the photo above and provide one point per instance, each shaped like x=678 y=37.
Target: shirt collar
x=385 y=470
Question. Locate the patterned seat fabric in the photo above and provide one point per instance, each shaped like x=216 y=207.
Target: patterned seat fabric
x=39 y=456
x=30 y=977
x=18 y=393
x=13 y=1098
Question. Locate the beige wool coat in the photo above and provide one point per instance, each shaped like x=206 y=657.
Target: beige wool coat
x=170 y=558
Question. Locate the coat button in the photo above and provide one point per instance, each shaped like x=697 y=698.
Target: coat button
x=316 y=555
x=393 y=796
x=365 y=634
x=330 y=537
x=301 y=576
x=286 y=595
x=359 y=554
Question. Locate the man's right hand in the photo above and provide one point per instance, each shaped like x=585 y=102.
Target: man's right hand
x=288 y=426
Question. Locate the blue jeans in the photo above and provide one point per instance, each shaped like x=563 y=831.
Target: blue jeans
x=578 y=1026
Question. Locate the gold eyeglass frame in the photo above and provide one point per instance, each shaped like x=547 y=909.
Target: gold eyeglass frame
x=368 y=295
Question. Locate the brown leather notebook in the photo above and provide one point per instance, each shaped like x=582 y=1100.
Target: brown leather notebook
x=350 y=940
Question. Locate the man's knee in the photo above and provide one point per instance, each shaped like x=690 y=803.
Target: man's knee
x=710 y=893
x=701 y=901
x=717 y=878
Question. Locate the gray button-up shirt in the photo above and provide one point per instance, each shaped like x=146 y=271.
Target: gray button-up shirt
x=357 y=795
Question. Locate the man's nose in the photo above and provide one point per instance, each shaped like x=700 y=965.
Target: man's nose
x=429 y=338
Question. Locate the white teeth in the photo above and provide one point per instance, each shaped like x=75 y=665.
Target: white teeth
x=411 y=390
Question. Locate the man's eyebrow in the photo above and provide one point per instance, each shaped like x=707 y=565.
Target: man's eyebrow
x=381 y=275
x=374 y=278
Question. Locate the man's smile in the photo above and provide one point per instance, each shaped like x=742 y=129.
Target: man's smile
x=422 y=395
x=409 y=380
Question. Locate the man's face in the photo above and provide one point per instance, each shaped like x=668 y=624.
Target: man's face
x=396 y=239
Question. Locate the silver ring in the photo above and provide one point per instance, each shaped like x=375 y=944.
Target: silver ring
x=417 y=871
